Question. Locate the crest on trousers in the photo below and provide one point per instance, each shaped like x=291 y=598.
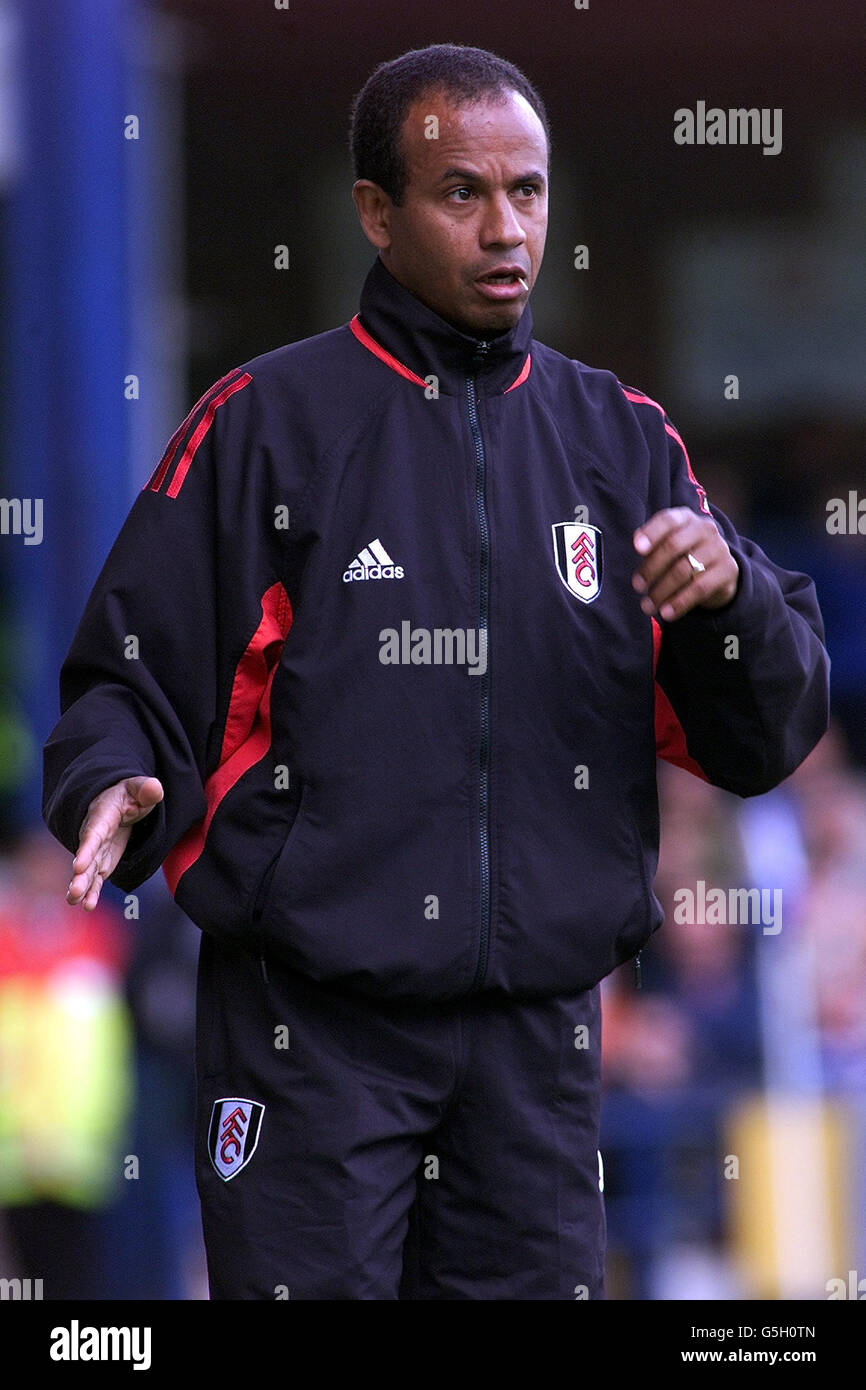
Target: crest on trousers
x=233 y=1134
x=577 y=552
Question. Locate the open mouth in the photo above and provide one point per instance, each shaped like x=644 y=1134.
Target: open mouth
x=503 y=284
x=508 y=277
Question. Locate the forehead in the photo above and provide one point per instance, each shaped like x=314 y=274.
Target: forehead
x=492 y=128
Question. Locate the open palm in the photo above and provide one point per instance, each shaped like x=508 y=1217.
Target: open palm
x=105 y=832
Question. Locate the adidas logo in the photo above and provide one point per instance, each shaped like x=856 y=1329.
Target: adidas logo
x=373 y=562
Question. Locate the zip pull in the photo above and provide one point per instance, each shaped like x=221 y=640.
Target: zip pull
x=637 y=979
x=480 y=354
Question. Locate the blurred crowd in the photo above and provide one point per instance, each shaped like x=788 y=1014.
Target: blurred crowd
x=97 y=1195
x=728 y=1012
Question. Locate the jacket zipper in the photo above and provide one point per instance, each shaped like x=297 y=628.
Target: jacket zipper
x=484 y=742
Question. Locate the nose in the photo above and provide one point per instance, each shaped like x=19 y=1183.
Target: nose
x=501 y=225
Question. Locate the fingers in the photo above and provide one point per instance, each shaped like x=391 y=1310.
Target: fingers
x=146 y=792
x=104 y=816
x=664 y=541
x=105 y=833
x=92 y=897
x=85 y=887
x=91 y=869
x=101 y=823
x=680 y=587
x=666 y=578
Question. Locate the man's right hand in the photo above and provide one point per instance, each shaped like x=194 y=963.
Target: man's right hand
x=105 y=831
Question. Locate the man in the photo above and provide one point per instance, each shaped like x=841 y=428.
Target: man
x=377 y=669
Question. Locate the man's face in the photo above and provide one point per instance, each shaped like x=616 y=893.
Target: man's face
x=475 y=201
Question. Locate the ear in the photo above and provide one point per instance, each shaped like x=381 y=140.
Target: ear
x=374 y=211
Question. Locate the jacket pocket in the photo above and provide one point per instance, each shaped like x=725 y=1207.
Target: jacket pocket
x=646 y=915
x=262 y=897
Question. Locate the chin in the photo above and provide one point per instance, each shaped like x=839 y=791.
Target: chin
x=500 y=322
x=483 y=323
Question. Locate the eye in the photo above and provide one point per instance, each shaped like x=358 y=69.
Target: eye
x=464 y=189
x=531 y=188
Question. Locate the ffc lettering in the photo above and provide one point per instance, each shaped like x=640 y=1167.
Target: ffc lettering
x=577 y=552
x=234 y=1133
x=582 y=559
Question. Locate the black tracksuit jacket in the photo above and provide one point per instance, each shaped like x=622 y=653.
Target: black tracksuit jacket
x=371 y=623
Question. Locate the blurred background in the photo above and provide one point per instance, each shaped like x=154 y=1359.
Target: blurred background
x=153 y=154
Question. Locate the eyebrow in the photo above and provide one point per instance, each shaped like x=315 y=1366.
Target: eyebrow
x=533 y=176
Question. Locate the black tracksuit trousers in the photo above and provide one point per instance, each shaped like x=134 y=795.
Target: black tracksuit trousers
x=350 y=1148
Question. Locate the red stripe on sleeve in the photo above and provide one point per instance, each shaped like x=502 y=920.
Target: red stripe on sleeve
x=201 y=430
x=155 y=481
x=670 y=735
x=638 y=398
x=247 y=734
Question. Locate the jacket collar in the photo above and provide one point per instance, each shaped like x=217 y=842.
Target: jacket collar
x=417 y=340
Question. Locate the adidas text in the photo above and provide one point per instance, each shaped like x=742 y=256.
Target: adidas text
x=373 y=572
x=373 y=562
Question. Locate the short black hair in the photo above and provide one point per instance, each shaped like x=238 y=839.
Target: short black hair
x=464 y=74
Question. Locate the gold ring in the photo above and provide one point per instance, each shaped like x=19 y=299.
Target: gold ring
x=697 y=567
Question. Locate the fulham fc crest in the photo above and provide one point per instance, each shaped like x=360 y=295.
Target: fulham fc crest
x=233 y=1134
x=577 y=552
